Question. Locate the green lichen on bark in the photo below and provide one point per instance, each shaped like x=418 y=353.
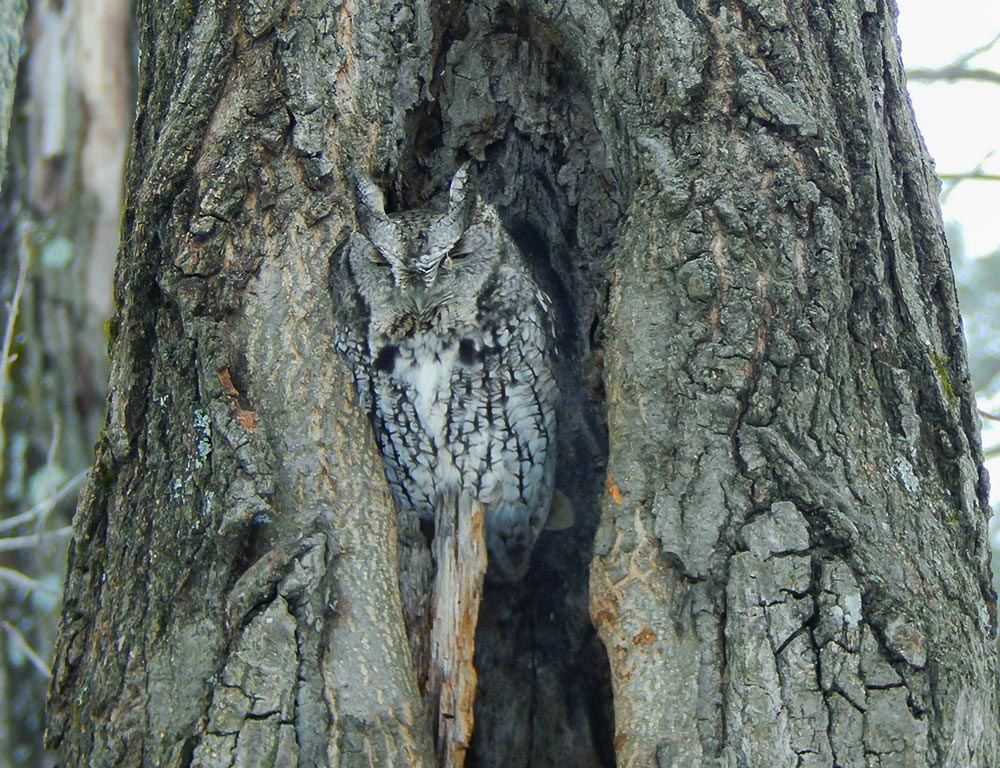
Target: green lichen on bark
x=941 y=366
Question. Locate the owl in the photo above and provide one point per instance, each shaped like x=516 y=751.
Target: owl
x=452 y=345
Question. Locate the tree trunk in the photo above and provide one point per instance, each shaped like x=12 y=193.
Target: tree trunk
x=11 y=23
x=767 y=417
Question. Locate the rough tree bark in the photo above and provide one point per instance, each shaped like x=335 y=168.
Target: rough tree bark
x=11 y=23
x=767 y=414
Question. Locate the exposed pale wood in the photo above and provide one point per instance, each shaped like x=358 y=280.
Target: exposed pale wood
x=460 y=557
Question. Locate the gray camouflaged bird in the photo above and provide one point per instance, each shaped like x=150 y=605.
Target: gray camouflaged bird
x=452 y=345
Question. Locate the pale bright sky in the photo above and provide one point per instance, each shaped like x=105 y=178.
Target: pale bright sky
x=960 y=123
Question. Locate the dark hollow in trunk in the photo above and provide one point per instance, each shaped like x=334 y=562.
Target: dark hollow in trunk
x=505 y=96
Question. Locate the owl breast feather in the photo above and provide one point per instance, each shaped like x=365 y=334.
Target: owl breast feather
x=428 y=372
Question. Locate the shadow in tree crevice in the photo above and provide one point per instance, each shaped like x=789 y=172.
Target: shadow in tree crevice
x=506 y=97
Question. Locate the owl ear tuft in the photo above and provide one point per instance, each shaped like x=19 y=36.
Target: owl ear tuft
x=373 y=219
x=462 y=197
x=459 y=188
x=370 y=195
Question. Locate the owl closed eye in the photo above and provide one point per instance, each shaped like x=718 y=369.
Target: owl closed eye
x=451 y=344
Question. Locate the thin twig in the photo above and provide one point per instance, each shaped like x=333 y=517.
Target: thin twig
x=958 y=70
x=988 y=415
x=21 y=643
x=50 y=456
x=949 y=184
x=26 y=583
x=48 y=503
x=952 y=74
x=43 y=507
x=968 y=56
x=8 y=335
x=958 y=65
x=26 y=542
x=969 y=176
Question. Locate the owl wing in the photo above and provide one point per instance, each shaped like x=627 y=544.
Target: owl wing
x=503 y=422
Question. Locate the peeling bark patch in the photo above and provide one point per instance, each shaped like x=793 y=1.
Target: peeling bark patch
x=245 y=418
x=643 y=638
x=613 y=490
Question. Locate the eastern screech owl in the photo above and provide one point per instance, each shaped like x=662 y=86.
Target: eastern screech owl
x=451 y=343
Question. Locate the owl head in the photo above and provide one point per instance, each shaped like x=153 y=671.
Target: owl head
x=423 y=269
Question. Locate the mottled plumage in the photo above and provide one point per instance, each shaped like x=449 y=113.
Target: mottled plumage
x=451 y=344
